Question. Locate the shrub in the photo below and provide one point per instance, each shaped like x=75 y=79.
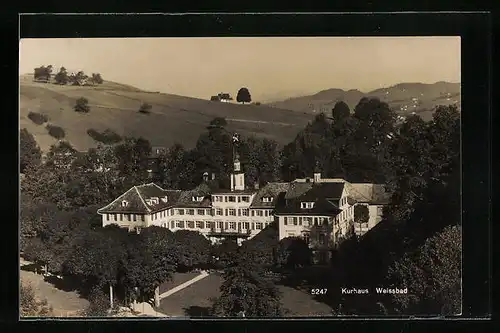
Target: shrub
x=38 y=118
x=106 y=137
x=145 y=108
x=56 y=131
x=82 y=105
x=257 y=103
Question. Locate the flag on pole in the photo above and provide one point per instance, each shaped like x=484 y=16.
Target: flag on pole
x=236 y=138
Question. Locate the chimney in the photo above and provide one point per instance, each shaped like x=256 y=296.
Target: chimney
x=256 y=185
x=213 y=176
x=317 y=177
x=205 y=176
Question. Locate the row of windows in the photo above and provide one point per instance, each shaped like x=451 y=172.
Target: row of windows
x=216 y=224
x=124 y=217
x=231 y=198
x=305 y=220
x=242 y=212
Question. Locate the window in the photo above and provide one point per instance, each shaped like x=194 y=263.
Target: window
x=225 y=198
x=124 y=203
x=121 y=217
x=260 y=213
x=178 y=224
x=190 y=224
x=316 y=221
x=322 y=239
x=181 y=224
x=246 y=225
x=107 y=217
x=305 y=236
x=190 y=211
x=244 y=212
x=219 y=198
x=127 y=216
x=232 y=212
x=200 y=224
x=232 y=198
x=142 y=218
x=114 y=217
x=219 y=212
x=306 y=205
x=239 y=199
x=232 y=225
x=210 y=224
x=239 y=212
x=201 y=212
x=172 y=224
x=225 y=225
x=253 y=226
x=180 y=211
x=267 y=199
x=300 y=220
x=258 y=226
x=295 y=220
x=285 y=220
x=253 y=213
x=245 y=198
x=220 y=225
x=134 y=217
x=266 y=213
x=164 y=199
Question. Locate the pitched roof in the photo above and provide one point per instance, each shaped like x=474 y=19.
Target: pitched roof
x=324 y=196
x=297 y=189
x=368 y=193
x=136 y=198
x=321 y=207
x=270 y=190
x=204 y=190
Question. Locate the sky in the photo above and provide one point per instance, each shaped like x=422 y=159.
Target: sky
x=271 y=68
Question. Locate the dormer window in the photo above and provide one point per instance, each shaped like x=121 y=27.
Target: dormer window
x=155 y=200
x=197 y=199
x=164 y=199
x=149 y=202
x=306 y=205
x=124 y=203
x=267 y=199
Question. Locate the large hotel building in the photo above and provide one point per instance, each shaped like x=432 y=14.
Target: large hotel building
x=319 y=210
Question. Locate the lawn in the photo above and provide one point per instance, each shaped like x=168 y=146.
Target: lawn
x=195 y=300
x=177 y=279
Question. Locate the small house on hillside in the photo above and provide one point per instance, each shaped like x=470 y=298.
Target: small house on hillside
x=222 y=97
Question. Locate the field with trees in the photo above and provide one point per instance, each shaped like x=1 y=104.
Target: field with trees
x=163 y=119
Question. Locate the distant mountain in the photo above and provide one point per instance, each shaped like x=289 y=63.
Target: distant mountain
x=404 y=98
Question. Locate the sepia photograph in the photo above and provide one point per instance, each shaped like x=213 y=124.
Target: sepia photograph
x=240 y=177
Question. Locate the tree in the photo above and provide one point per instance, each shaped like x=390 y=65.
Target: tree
x=98 y=304
x=30 y=154
x=293 y=252
x=243 y=96
x=361 y=214
x=433 y=272
x=247 y=290
x=145 y=108
x=224 y=254
x=78 y=79
x=82 y=105
x=262 y=248
x=193 y=249
x=62 y=76
x=340 y=111
x=42 y=73
x=96 y=77
x=29 y=305
x=152 y=258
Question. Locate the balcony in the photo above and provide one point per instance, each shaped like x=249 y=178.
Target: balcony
x=238 y=233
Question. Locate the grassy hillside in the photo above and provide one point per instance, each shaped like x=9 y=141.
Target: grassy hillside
x=172 y=119
x=405 y=98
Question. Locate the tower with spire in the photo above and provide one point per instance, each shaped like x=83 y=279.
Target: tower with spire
x=237 y=176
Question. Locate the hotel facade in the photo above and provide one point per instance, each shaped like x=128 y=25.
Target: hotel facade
x=321 y=211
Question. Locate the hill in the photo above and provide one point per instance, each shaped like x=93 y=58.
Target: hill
x=404 y=98
x=172 y=119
